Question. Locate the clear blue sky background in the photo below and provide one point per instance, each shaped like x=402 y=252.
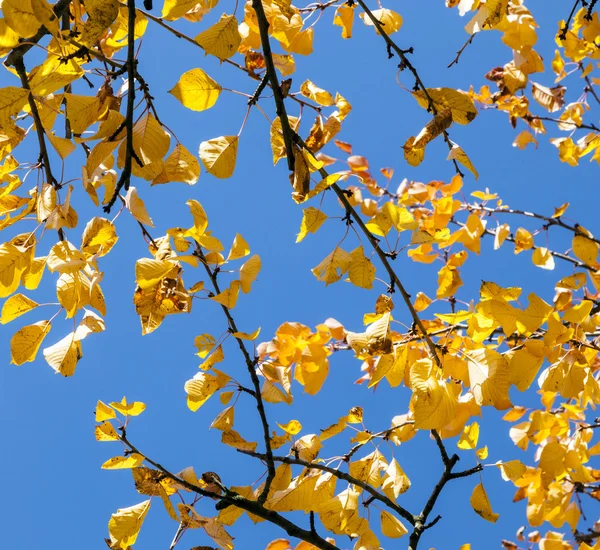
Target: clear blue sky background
x=54 y=493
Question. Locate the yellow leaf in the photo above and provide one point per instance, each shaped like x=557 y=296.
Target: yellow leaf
x=318 y=95
x=46 y=16
x=136 y=206
x=361 y=271
x=64 y=147
x=222 y=39
x=20 y=17
x=524 y=139
x=215 y=357
x=293 y=427
x=469 y=437
x=422 y=301
x=249 y=271
x=460 y=104
x=543 y=258
x=481 y=504
x=99 y=236
x=390 y=20
x=344 y=17
x=26 y=342
x=489 y=378
x=523 y=240
x=235 y=440
x=228 y=298
x=101 y=14
x=312 y=219
x=134 y=408
x=104 y=412
x=585 y=249
x=150 y=140
x=106 y=432
x=482 y=453
x=149 y=273
x=333 y=267
x=239 y=248
x=458 y=154
x=13 y=263
x=12 y=100
x=196 y=90
x=64 y=355
x=124 y=525
x=219 y=155
x=512 y=470
x=391 y=526
x=16 y=306
x=199 y=389
x=181 y=166
x=247 y=335
x=123 y=462
x=224 y=420
x=82 y=111
x=204 y=343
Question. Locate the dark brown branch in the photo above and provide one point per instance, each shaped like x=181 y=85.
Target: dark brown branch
x=588 y=537
x=259 y=90
x=462 y=49
x=230 y=498
x=27 y=43
x=251 y=366
x=125 y=177
x=549 y=221
x=563 y=32
x=37 y=122
x=340 y=475
x=581 y=126
x=559 y=255
x=263 y=27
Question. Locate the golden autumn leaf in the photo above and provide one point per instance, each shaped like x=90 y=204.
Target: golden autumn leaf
x=26 y=342
x=361 y=271
x=462 y=108
x=196 y=90
x=481 y=504
x=64 y=355
x=222 y=39
x=219 y=155
x=15 y=306
x=125 y=524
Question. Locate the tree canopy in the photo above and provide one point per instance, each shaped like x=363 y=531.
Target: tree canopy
x=386 y=320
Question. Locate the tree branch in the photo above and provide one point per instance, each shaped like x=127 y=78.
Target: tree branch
x=263 y=27
x=340 y=475
x=230 y=498
x=125 y=177
x=19 y=66
x=251 y=366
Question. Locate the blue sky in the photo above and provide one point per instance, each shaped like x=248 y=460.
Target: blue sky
x=54 y=493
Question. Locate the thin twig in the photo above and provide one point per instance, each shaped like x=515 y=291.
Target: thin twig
x=251 y=366
x=391 y=45
x=549 y=221
x=462 y=49
x=563 y=32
